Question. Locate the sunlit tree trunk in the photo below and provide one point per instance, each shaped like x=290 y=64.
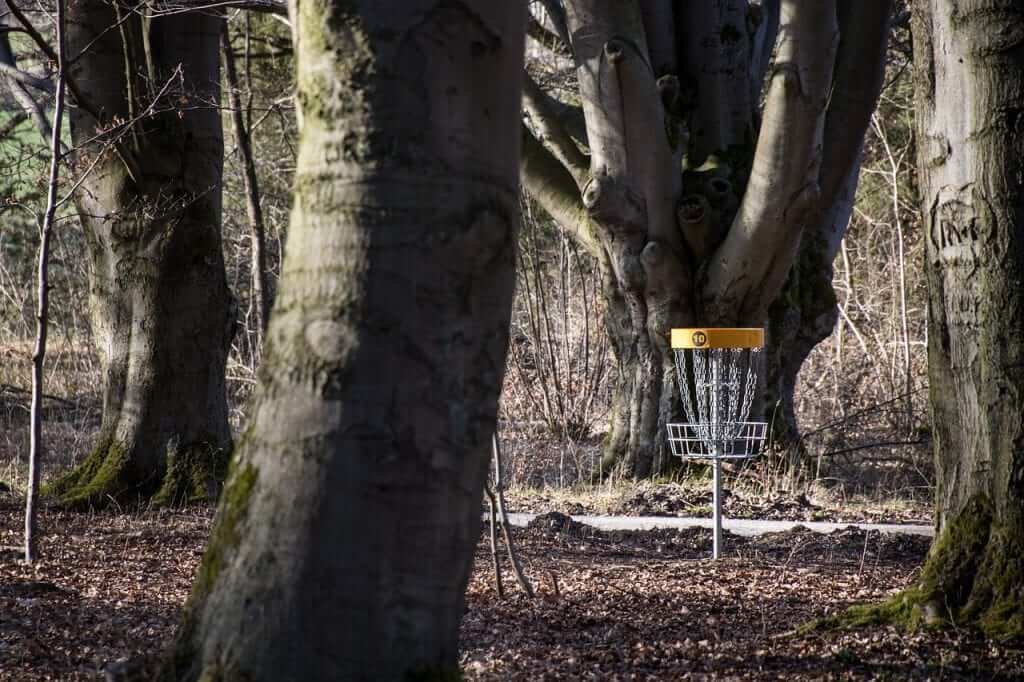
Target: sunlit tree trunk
x=345 y=535
x=694 y=199
x=969 y=80
x=150 y=204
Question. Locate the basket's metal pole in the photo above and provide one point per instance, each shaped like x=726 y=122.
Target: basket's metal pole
x=716 y=437
x=718 y=509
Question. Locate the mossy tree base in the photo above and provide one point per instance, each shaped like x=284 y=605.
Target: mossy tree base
x=111 y=474
x=973 y=578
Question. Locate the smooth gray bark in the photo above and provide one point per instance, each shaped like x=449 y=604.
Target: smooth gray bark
x=150 y=150
x=969 y=82
x=805 y=312
x=695 y=200
x=345 y=536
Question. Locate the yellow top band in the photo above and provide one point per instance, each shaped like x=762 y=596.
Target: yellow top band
x=718 y=337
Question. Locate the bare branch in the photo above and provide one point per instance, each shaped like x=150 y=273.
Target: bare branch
x=546 y=38
x=83 y=103
x=43 y=300
x=14 y=78
x=250 y=182
x=9 y=71
x=550 y=185
x=168 y=7
x=28 y=105
x=13 y=121
x=556 y=15
x=552 y=134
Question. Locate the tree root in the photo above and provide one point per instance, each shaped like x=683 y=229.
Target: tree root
x=973 y=578
x=193 y=474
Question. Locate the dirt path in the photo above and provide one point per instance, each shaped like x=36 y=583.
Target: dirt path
x=744 y=527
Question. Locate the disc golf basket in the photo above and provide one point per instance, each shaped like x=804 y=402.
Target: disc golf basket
x=717 y=370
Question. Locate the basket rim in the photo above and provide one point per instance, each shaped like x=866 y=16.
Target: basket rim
x=701 y=338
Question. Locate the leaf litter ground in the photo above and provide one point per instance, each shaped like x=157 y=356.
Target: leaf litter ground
x=105 y=599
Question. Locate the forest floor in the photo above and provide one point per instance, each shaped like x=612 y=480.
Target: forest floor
x=107 y=594
x=741 y=500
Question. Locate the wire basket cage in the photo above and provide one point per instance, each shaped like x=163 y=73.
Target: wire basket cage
x=717 y=372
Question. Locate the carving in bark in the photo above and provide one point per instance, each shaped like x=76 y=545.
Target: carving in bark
x=969 y=83
x=159 y=301
x=695 y=200
x=345 y=534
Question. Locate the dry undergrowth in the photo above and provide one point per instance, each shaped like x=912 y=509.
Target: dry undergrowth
x=624 y=605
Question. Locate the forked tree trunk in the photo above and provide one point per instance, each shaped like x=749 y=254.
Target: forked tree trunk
x=693 y=200
x=345 y=535
x=969 y=78
x=151 y=209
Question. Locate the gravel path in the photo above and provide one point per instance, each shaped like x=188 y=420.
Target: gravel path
x=746 y=527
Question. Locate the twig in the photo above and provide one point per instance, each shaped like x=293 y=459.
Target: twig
x=494 y=540
x=553 y=577
x=130 y=163
x=254 y=212
x=517 y=568
x=46 y=396
x=36 y=435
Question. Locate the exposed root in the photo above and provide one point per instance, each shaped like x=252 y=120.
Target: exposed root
x=193 y=474
x=95 y=482
x=973 y=578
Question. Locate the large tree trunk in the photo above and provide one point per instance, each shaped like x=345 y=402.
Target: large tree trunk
x=969 y=77
x=693 y=200
x=151 y=209
x=805 y=312
x=345 y=535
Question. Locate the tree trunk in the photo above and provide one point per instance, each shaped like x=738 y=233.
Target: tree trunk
x=969 y=78
x=345 y=535
x=711 y=244
x=151 y=209
x=806 y=311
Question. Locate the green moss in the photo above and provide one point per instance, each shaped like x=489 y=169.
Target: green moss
x=234 y=506
x=996 y=604
x=949 y=573
x=973 y=577
x=903 y=611
x=194 y=474
x=95 y=481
